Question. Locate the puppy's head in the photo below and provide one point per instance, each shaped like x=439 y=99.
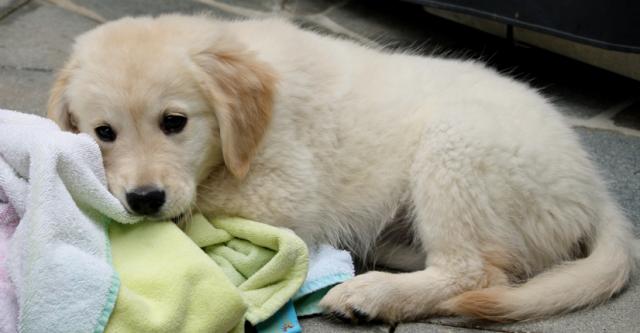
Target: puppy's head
x=167 y=100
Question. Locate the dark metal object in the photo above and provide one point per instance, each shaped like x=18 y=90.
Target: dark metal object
x=612 y=25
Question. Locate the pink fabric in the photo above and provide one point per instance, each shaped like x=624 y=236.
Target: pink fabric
x=8 y=305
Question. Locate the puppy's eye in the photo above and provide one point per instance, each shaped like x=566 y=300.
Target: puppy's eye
x=173 y=123
x=106 y=133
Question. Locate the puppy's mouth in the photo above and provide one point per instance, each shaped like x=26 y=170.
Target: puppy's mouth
x=181 y=219
x=177 y=219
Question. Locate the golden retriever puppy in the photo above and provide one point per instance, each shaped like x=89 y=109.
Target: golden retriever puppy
x=337 y=141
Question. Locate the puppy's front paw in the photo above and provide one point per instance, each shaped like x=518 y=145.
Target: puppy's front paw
x=366 y=297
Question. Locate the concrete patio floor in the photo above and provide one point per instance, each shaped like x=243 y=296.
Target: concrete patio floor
x=35 y=36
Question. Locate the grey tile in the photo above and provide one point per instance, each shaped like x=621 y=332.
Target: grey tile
x=114 y=9
x=629 y=117
x=315 y=26
x=6 y=6
x=433 y=328
x=24 y=90
x=311 y=7
x=618 y=156
x=39 y=35
x=323 y=324
x=258 y=5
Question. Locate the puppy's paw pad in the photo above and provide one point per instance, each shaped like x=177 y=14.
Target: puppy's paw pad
x=352 y=316
x=362 y=299
x=361 y=316
x=339 y=316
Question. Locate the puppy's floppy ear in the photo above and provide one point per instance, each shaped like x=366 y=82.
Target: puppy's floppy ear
x=58 y=107
x=241 y=90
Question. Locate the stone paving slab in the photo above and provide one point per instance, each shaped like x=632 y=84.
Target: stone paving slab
x=24 y=90
x=114 y=9
x=434 y=328
x=259 y=5
x=618 y=156
x=298 y=8
x=7 y=6
x=323 y=325
x=39 y=35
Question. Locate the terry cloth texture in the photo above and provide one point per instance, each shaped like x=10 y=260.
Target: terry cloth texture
x=328 y=266
x=266 y=263
x=59 y=257
x=8 y=305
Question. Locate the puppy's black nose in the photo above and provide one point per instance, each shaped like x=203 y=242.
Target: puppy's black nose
x=146 y=200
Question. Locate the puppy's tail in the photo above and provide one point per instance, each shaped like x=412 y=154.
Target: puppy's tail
x=566 y=287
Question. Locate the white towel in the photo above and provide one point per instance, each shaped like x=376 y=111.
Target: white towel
x=328 y=266
x=8 y=305
x=59 y=256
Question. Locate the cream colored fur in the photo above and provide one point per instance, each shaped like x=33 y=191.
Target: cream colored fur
x=334 y=140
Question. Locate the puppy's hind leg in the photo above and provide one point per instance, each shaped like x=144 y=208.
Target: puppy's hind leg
x=450 y=205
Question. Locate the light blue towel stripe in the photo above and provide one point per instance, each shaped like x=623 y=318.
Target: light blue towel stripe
x=112 y=294
x=329 y=280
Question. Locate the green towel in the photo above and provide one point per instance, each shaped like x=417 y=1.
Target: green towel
x=266 y=263
x=248 y=270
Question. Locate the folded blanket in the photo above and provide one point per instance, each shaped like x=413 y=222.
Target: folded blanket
x=59 y=257
x=169 y=284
